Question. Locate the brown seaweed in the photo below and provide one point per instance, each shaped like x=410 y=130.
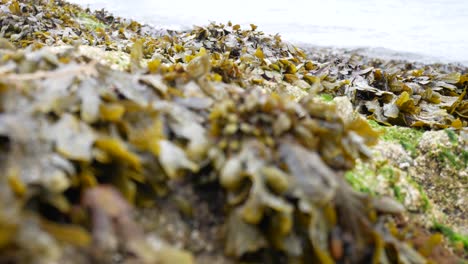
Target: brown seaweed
x=220 y=109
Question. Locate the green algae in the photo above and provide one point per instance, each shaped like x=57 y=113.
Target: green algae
x=453 y=236
x=326 y=97
x=90 y=21
x=452 y=135
x=380 y=177
x=449 y=158
x=408 y=138
x=384 y=179
x=426 y=206
x=366 y=179
x=452 y=154
x=360 y=179
x=398 y=194
x=393 y=178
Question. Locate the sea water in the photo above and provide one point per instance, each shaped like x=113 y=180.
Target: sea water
x=422 y=30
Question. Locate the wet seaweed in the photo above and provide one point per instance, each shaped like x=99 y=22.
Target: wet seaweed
x=232 y=111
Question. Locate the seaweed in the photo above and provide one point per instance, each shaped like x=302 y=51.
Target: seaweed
x=217 y=110
x=280 y=172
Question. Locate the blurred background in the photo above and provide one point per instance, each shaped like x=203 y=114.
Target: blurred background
x=421 y=30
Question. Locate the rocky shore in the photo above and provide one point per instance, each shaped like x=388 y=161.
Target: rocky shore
x=125 y=144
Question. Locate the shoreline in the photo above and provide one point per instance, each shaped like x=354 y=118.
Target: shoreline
x=297 y=30
x=221 y=144
x=383 y=54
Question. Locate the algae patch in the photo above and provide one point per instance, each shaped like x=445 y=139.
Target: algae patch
x=460 y=241
x=407 y=137
x=362 y=179
x=89 y=21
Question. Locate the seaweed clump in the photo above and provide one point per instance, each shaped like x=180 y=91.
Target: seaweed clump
x=53 y=23
x=432 y=96
x=394 y=93
x=70 y=125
